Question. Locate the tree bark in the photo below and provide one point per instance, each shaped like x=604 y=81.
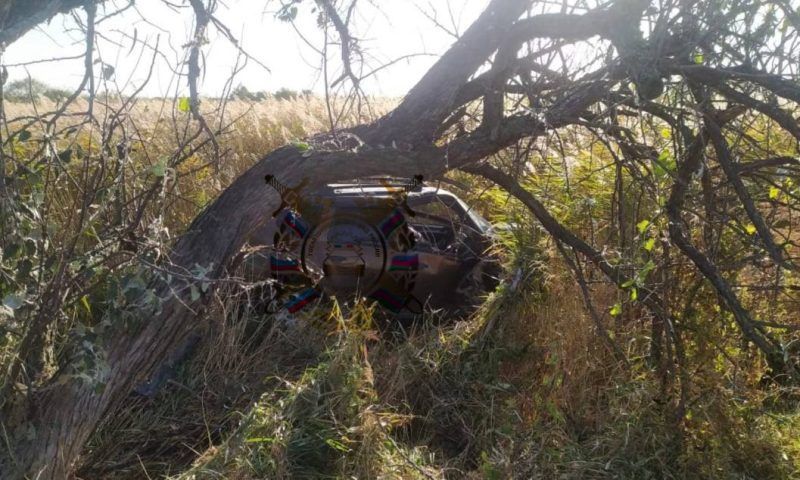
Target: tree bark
x=19 y=16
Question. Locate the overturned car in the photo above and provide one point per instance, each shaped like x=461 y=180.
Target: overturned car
x=407 y=246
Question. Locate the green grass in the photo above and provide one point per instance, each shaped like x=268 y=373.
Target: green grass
x=522 y=389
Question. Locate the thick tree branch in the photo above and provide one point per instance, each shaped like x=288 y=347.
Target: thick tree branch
x=431 y=99
x=774 y=83
x=752 y=167
x=17 y=17
x=717 y=80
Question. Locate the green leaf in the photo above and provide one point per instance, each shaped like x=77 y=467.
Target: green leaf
x=10 y=252
x=616 y=310
x=85 y=302
x=185 y=104
x=301 y=146
x=24 y=136
x=774 y=192
x=194 y=292
x=664 y=163
x=629 y=283
x=646 y=269
x=333 y=443
x=260 y=440
x=667 y=134
x=554 y=411
x=649 y=244
x=642 y=226
x=160 y=168
x=634 y=294
x=698 y=58
x=750 y=229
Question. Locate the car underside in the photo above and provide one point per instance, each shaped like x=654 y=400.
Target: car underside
x=407 y=246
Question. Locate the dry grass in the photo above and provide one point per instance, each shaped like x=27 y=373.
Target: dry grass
x=154 y=128
x=243 y=354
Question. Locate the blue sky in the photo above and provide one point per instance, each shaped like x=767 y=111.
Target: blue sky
x=387 y=29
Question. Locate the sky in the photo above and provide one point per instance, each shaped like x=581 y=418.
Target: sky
x=386 y=29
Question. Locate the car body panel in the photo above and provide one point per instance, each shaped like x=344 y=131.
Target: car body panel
x=406 y=248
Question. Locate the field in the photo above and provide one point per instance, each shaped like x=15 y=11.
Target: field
x=527 y=386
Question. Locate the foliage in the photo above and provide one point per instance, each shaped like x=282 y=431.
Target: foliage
x=242 y=93
x=25 y=90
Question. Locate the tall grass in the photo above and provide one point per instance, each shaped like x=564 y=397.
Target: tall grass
x=523 y=388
